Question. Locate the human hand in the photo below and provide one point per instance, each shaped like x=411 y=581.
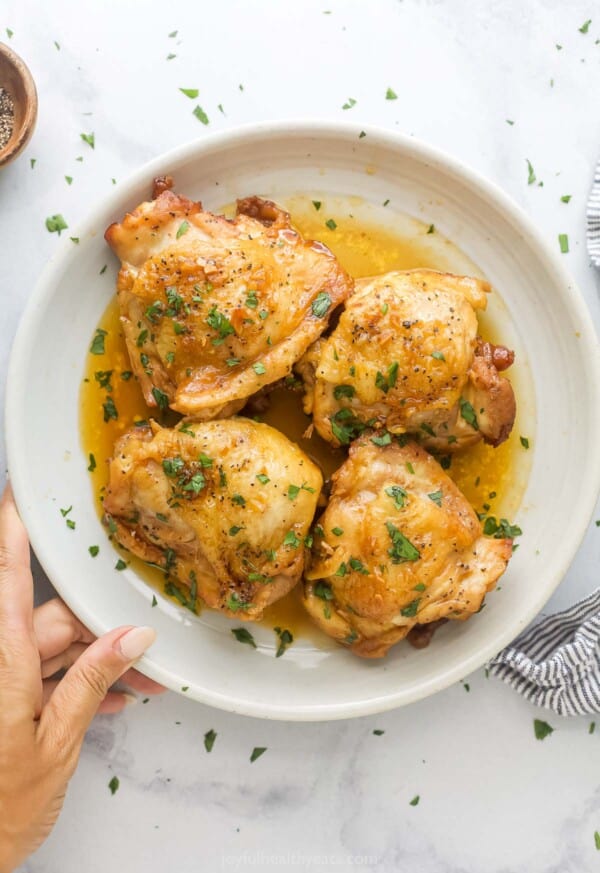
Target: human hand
x=43 y=720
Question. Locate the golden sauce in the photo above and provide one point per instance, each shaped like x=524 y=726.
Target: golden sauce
x=363 y=250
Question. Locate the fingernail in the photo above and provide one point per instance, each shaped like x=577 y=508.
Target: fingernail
x=134 y=643
x=129 y=698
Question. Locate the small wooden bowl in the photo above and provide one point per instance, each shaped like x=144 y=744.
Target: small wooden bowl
x=18 y=81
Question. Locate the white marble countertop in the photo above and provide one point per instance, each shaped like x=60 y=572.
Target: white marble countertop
x=492 y=798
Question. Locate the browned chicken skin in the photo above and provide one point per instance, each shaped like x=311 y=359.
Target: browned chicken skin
x=397 y=547
x=215 y=309
x=405 y=355
x=223 y=506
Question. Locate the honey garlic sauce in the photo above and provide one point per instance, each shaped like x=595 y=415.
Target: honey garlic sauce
x=485 y=475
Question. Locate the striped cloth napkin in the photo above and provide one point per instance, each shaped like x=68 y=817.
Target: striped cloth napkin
x=556 y=662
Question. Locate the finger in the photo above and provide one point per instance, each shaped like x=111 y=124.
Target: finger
x=19 y=659
x=56 y=628
x=64 y=660
x=114 y=701
x=80 y=692
x=142 y=683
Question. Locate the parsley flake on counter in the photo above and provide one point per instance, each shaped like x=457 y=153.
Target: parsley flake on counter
x=402 y=549
x=508 y=121
x=201 y=114
x=89 y=138
x=183 y=228
x=93 y=550
x=330 y=223
x=113 y=785
x=530 y=172
x=286 y=638
x=65 y=512
x=390 y=94
x=362 y=134
x=243 y=635
x=350 y=103
x=209 y=739
x=565 y=198
x=563 y=242
x=69 y=180
x=541 y=729
x=9 y=33
x=321 y=303
x=585 y=26
x=316 y=204
x=524 y=442
x=120 y=565
x=192 y=93
x=171 y=56
x=431 y=228
x=592 y=727
x=597 y=840
x=154 y=601
x=378 y=732
x=257 y=751
x=56 y=223
x=415 y=800
x=70 y=524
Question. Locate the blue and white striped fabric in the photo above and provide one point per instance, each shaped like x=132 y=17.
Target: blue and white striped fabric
x=593 y=220
x=556 y=662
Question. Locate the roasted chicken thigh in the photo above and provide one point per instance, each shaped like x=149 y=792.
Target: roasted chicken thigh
x=405 y=356
x=398 y=546
x=223 y=507
x=215 y=309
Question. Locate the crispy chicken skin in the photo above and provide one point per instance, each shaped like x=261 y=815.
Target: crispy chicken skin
x=214 y=309
x=222 y=506
x=405 y=355
x=397 y=547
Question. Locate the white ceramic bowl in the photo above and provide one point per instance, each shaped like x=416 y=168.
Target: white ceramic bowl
x=547 y=322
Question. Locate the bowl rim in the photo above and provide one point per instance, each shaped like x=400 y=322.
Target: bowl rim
x=318 y=129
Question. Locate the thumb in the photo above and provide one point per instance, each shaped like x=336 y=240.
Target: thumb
x=80 y=692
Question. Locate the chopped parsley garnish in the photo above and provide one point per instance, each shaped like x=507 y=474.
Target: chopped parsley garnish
x=342 y=570
x=385 y=383
x=358 y=566
x=292 y=539
x=183 y=228
x=439 y=356
x=235 y=529
x=102 y=377
x=93 y=550
x=126 y=375
x=397 y=494
x=89 y=138
x=427 y=428
x=411 y=610
x=234 y=604
x=195 y=484
x=243 y=636
x=110 y=410
x=97 y=346
x=209 y=739
x=120 y=565
x=410 y=467
x=201 y=115
x=343 y=391
x=192 y=93
x=316 y=204
x=92 y=464
x=384 y=439
x=259 y=368
x=286 y=638
x=263 y=479
x=330 y=223
x=524 y=442
x=173 y=466
x=113 y=785
x=530 y=173
x=436 y=497
x=541 y=729
x=238 y=500
x=563 y=241
x=390 y=94
x=468 y=413
x=142 y=337
x=420 y=586
x=502 y=529
x=257 y=751
x=337 y=531
x=402 y=549
x=232 y=362
x=204 y=459
x=323 y=590
x=162 y=400
x=350 y=103
x=345 y=426
x=320 y=305
x=220 y=323
x=251 y=300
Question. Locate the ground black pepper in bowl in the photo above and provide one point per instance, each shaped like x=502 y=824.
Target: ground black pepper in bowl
x=7 y=117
